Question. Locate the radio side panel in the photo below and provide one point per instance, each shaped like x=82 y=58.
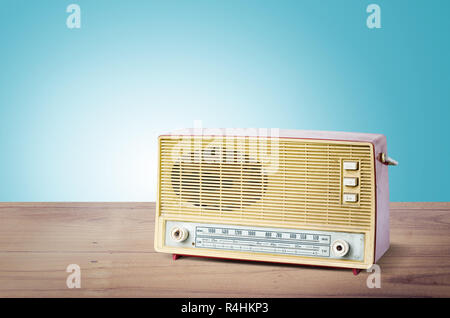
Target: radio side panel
x=382 y=199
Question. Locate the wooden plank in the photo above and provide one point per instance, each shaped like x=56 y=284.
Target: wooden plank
x=113 y=244
x=76 y=227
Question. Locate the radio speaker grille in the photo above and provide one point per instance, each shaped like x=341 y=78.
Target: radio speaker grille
x=291 y=181
x=214 y=181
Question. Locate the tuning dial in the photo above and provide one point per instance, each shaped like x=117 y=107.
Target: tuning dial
x=340 y=248
x=179 y=234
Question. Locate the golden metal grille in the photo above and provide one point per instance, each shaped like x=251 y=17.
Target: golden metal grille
x=291 y=181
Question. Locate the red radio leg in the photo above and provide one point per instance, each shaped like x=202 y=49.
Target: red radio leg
x=175 y=256
x=356 y=271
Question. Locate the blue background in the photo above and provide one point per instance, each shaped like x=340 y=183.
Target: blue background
x=80 y=109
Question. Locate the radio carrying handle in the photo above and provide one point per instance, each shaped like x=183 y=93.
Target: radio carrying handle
x=388 y=160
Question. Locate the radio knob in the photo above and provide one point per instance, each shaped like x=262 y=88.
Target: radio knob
x=179 y=234
x=340 y=248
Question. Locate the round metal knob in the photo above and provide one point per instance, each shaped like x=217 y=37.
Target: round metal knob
x=340 y=248
x=179 y=234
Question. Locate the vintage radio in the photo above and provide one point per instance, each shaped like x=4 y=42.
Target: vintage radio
x=287 y=196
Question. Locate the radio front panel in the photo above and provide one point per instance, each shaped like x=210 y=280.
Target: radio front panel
x=276 y=241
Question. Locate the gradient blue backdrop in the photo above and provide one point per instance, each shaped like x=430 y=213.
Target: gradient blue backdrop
x=80 y=109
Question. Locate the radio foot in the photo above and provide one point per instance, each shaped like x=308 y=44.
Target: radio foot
x=356 y=271
x=175 y=256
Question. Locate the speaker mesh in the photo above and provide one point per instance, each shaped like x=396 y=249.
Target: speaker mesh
x=219 y=179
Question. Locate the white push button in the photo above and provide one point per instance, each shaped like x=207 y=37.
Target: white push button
x=350 y=165
x=350 y=197
x=351 y=182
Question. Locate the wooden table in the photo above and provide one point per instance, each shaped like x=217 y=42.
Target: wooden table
x=113 y=245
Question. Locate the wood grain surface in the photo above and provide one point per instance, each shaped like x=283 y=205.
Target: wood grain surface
x=113 y=245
